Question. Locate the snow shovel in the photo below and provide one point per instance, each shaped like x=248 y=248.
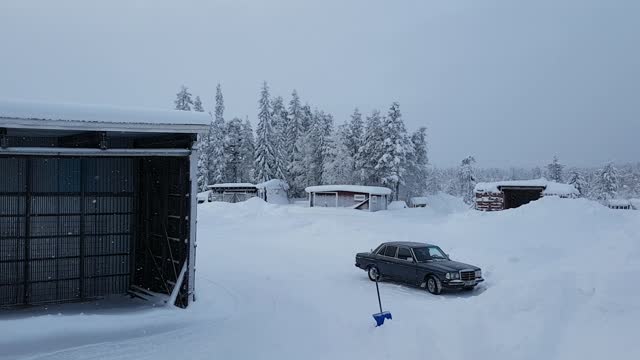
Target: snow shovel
x=379 y=317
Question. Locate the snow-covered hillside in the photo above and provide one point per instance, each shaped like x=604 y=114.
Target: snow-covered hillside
x=279 y=282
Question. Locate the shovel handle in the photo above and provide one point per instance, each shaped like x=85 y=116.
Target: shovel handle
x=378 y=291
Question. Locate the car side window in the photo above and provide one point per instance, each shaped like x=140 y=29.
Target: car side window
x=381 y=250
x=404 y=254
x=390 y=251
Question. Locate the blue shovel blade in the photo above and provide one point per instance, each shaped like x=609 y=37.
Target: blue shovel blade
x=379 y=317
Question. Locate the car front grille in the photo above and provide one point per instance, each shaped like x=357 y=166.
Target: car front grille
x=467 y=275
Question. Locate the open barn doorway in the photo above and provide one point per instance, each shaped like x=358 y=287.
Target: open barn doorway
x=77 y=228
x=517 y=196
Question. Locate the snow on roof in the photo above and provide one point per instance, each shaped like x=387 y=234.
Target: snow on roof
x=550 y=187
x=419 y=200
x=232 y=185
x=273 y=184
x=618 y=202
x=374 y=190
x=27 y=114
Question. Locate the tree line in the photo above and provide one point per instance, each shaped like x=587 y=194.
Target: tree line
x=303 y=146
x=596 y=183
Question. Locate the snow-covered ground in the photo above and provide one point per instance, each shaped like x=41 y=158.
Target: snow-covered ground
x=279 y=282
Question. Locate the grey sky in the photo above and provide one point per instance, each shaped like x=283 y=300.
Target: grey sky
x=511 y=82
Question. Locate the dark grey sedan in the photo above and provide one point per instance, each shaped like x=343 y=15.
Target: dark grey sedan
x=419 y=264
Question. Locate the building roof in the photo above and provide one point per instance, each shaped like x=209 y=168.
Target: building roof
x=549 y=187
x=232 y=185
x=373 y=190
x=28 y=115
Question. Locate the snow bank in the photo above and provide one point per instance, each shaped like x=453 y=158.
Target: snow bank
x=260 y=296
x=373 y=190
x=443 y=203
x=635 y=203
x=551 y=187
x=396 y=205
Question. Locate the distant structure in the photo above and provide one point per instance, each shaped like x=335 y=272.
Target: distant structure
x=619 y=204
x=366 y=198
x=418 y=202
x=502 y=195
x=233 y=192
x=273 y=191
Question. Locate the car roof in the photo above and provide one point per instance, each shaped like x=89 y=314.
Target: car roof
x=407 y=243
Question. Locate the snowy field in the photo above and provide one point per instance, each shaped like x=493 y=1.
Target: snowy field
x=279 y=282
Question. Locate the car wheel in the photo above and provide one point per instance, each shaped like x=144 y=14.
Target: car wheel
x=433 y=285
x=373 y=273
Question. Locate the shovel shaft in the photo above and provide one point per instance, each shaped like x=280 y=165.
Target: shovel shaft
x=378 y=291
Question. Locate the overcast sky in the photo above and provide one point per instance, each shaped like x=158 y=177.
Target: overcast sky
x=510 y=82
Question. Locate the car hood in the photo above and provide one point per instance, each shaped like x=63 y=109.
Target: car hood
x=447 y=265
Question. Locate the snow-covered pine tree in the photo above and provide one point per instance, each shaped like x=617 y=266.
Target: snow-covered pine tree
x=232 y=151
x=352 y=138
x=267 y=164
x=606 y=183
x=554 y=170
x=307 y=118
x=371 y=151
x=183 y=99
x=536 y=173
x=279 y=119
x=467 y=179
x=247 y=151
x=396 y=150
x=578 y=181
x=339 y=162
x=417 y=171
x=197 y=105
x=216 y=139
x=203 y=147
x=292 y=131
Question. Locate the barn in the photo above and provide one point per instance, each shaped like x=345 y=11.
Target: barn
x=367 y=198
x=96 y=201
x=233 y=192
x=502 y=195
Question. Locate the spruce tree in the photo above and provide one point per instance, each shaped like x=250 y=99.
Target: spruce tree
x=183 y=99
x=247 y=151
x=577 y=180
x=197 y=105
x=467 y=179
x=266 y=161
x=396 y=150
x=554 y=170
x=216 y=139
x=371 y=150
x=607 y=182
x=417 y=172
x=233 y=151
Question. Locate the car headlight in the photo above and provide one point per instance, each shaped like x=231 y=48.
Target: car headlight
x=452 y=276
x=478 y=273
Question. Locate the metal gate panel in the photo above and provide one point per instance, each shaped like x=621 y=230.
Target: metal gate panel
x=72 y=218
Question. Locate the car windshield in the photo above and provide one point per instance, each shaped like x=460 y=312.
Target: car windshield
x=429 y=253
